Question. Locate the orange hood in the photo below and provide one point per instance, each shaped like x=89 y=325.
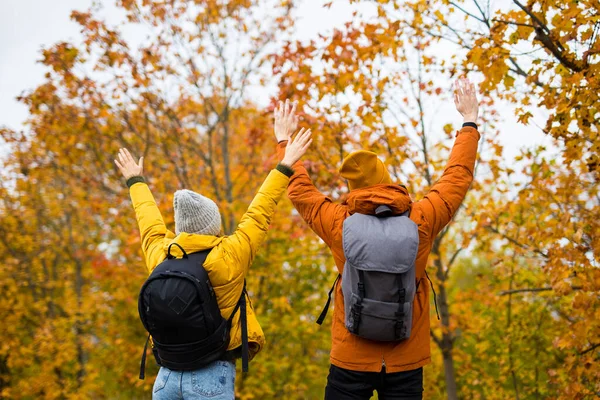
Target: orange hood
x=366 y=200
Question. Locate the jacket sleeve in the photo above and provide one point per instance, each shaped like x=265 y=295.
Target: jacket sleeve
x=446 y=195
x=153 y=230
x=319 y=212
x=253 y=227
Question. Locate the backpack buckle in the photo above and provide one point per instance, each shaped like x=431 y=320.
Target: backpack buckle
x=402 y=293
x=400 y=331
x=355 y=311
x=361 y=291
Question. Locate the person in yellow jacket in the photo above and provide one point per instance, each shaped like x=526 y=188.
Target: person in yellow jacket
x=197 y=228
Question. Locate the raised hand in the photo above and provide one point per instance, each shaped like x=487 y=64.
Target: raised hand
x=127 y=164
x=465 y=100
x=286 y=120
x=297 y=147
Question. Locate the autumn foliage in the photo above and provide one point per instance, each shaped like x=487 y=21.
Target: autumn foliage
x=516 y=273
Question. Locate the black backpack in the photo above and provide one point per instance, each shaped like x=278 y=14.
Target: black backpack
x=179 y=309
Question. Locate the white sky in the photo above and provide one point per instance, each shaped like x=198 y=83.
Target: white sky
x=27 y=26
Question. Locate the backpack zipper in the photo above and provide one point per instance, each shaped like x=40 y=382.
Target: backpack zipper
x=382 y=361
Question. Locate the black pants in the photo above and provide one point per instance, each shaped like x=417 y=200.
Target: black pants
x=343 y=384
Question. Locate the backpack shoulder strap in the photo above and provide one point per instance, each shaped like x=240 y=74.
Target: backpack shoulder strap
x=244 y=320
x=241 y=306
x=326 y=308
x=143 y=362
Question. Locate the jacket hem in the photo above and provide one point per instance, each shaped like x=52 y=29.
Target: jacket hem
x=376 y=366
x=235 y=349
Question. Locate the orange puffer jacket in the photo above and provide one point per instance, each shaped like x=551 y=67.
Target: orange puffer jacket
x=431 y=214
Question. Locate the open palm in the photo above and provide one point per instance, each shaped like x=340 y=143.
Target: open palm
x=465 y=100
x=286 y=120
x=127 y=164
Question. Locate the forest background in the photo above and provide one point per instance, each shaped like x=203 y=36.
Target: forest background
x=190 y=85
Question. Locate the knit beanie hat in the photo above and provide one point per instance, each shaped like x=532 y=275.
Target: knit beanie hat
x=363 y=168
x=195 y=213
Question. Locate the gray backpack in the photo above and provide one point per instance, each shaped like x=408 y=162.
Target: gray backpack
x=378 y=281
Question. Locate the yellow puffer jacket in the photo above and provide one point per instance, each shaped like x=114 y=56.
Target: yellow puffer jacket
x=230 y=257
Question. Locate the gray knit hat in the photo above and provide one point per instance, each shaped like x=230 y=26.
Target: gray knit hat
x=195 y=213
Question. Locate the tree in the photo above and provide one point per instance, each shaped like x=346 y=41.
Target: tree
x=549 y=233
x=535 y=53
x=516 y=272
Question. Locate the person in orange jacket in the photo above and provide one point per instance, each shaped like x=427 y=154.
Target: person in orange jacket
x=358 y=365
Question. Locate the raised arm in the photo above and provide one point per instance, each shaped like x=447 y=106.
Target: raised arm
x=254 y=225
x=446 y=195
x=319 y=212
x=152 y=227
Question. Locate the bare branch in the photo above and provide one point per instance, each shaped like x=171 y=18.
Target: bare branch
x=534 y=17
x=542 y=289
x=486 y=19
x=542 y=33
x=436 y=339
x=512 y=23
x=591 y=348
x=468 y=13
x=515 y=242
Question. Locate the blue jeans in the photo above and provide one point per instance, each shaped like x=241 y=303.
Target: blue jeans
x=215 y=382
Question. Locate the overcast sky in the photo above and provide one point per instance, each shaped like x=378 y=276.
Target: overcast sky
x=27 y=26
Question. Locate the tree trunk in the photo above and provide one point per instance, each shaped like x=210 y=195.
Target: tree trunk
x=4 y=374
x=447 y=345
x=447 y=340
x=78 y=286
